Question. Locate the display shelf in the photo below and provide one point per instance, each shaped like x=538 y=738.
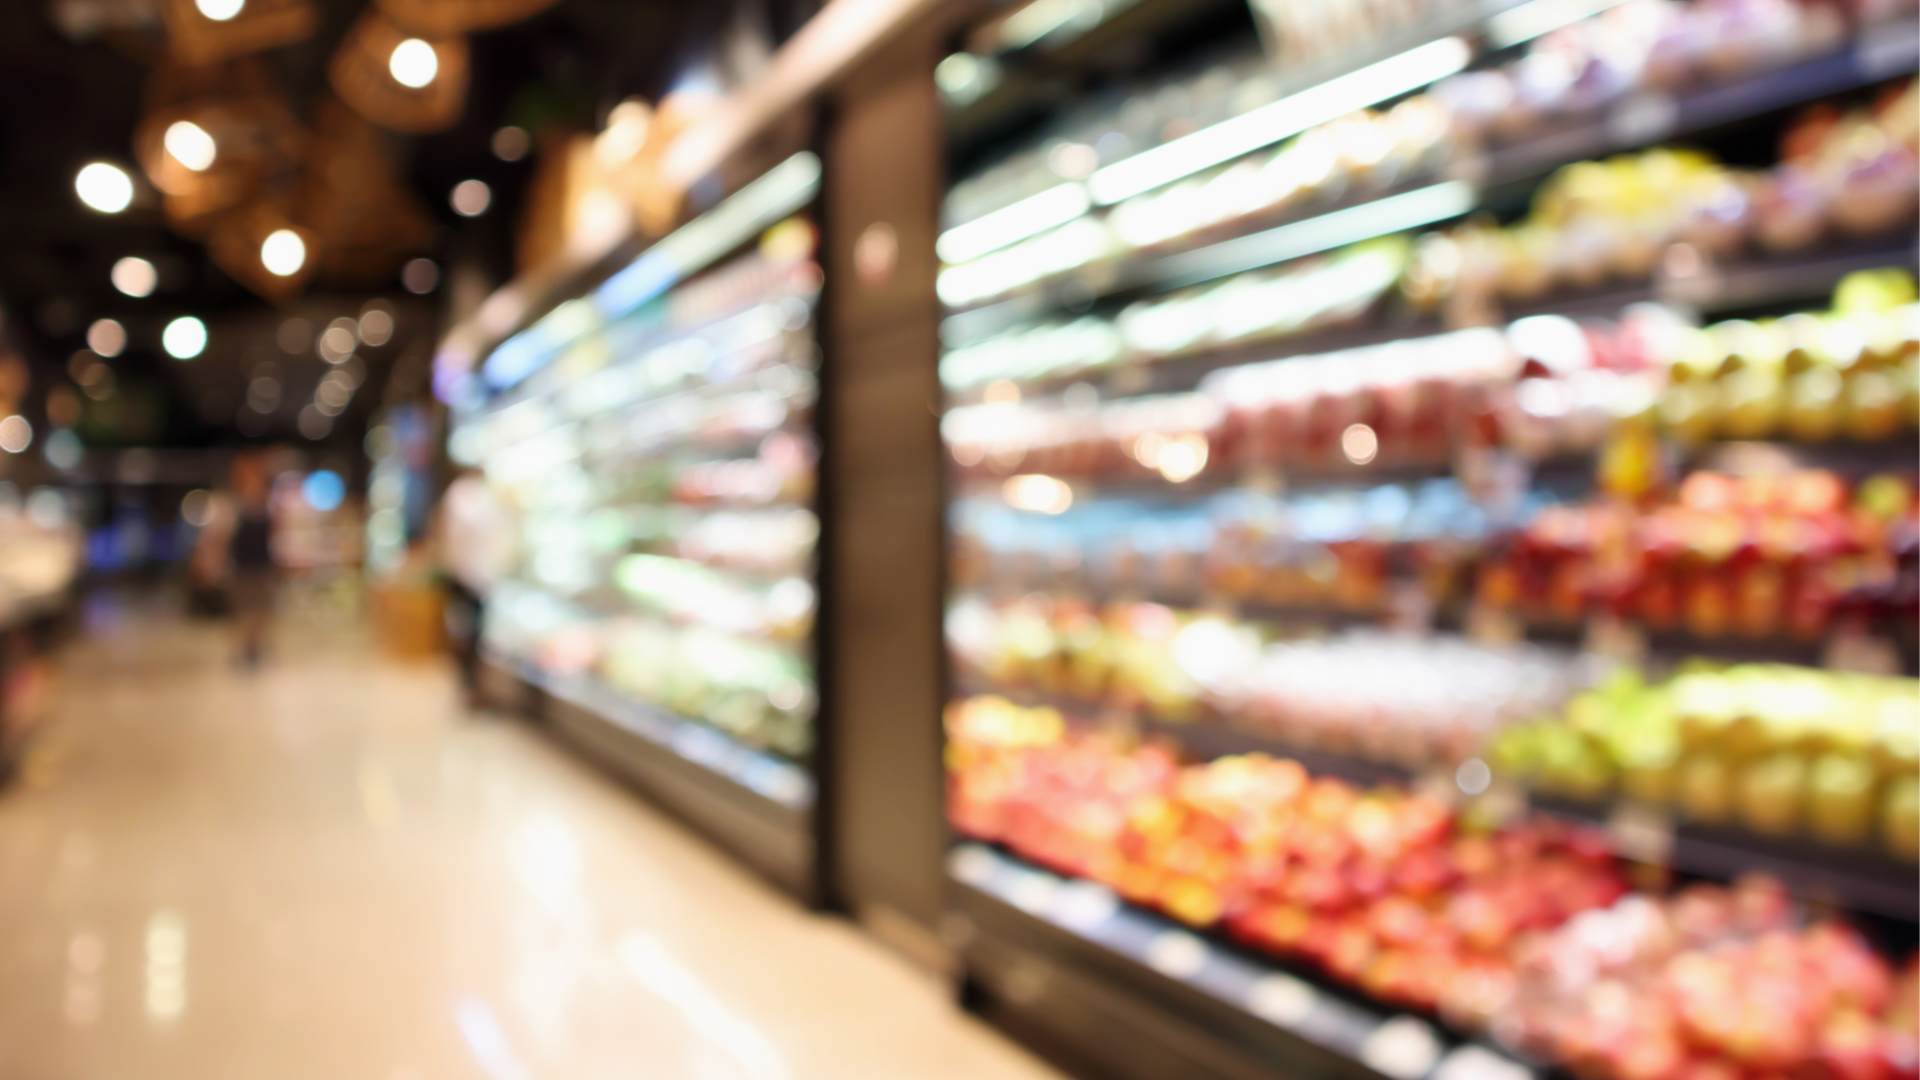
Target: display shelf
x=1142 y=998
x=757 y=805
x=1639 y=120
x=1666 y=648
x=1749 y=282
x=1851 y=877
x=1647 y=117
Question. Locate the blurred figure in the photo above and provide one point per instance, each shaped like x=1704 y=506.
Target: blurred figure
x=239 y=541
x=472 y=533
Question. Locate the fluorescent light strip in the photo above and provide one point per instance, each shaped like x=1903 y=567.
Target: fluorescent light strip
x=1529 y=21
x=1338 y=229
x=784 y=189
x=1268 y=124
x=1043 y=17
x=1030 y=216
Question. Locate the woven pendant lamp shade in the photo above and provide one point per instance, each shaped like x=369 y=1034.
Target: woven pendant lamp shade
x=362 y=75
x=354 y=198
x=256 y=137
x=194 y=39
x=235 y=240
x=446 y=18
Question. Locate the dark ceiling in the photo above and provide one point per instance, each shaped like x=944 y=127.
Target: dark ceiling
x=74 y=97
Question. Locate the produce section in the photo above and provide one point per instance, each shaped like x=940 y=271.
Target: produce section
x=1494 y=433
x=654 y=447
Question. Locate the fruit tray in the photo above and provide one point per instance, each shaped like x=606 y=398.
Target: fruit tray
x=1281 y=1018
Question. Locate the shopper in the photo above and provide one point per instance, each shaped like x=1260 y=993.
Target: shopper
x=472 y=535
x=255 y=575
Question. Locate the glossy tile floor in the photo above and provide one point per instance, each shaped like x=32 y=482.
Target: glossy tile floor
x=325 y=871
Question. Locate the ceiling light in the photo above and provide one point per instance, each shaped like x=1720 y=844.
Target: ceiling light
x=294 y=335
x=106 y=337
x=283 y=253
x=376 y=326
x=184 y=338
x=1396 y=213
x=190 y=145
x=511 y=143
x=135 y=276
x=336 y=344
x=1029 y=216
x=220 y=10
x=1529 y=21
x=471 y=198
x=15 y=434
x=413 y=63
x=420 y=276
x=104 y=187
x=1291 y=115
x=315 y=424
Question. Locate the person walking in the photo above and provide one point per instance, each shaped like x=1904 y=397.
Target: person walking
x=472 y=531
x=250 y=553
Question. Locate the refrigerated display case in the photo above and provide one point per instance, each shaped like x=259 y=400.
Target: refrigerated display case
x=1432 y=536
x=653 y=440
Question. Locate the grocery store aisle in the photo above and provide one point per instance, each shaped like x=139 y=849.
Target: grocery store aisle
x=324 y=872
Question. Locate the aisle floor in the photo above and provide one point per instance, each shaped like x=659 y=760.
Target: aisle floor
x=327 y=871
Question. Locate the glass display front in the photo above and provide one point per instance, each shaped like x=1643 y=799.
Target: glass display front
x=660 y=472
x=1444 y=537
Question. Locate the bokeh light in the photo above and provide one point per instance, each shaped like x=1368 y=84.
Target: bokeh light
x=376 y=325
x=413 y=64
x=324 y=490
x=63 y=449
x=471 y=198
x=184 y=338
x=106 y=188
x=315 y=424
x=294 y=335
x=196 y=509
x=16 y=434
x=106 y=337
x=511 y=143
x=420 y=276
x=220 y=10
x=190 y=145
x=338 y=341
x=283 y=253
x=1360 y=443
x=135 y=276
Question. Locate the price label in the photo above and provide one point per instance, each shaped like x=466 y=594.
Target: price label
x=1033 y=892
x=1177 y=954
x=1641 y=833
x=1851 y=650
x=1263 y=480
x=1492 y=625
x=1479 y=1063
x=971 y=865
x=1643 y=118
x=1614 y=639
x=1403 y=1048
x=1082 y=906
x=1281 y=999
